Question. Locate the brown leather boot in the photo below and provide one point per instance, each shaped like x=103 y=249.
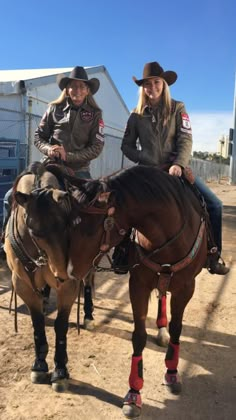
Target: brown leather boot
x=217 y=267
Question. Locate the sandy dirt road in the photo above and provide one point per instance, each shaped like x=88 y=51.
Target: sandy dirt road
x=99 y=361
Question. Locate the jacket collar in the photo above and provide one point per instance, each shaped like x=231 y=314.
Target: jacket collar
x=69 y=105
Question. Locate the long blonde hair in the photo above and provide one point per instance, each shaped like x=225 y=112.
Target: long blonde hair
x=165 y=111
x=63 y=96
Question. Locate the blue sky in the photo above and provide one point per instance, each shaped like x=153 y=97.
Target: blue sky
x=197 y=39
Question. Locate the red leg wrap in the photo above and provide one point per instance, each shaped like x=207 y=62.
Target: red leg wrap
x=136 y=374
x=161 y=316
x=172 y=356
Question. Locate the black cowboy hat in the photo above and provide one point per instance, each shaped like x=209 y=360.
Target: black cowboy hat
x=155 y=70
x=78 y=73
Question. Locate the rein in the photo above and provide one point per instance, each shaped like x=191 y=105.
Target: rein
x=30 y=264
x=173 y=268
x=165 y=271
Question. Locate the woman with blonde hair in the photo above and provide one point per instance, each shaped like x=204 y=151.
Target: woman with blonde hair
x=72 y=126
x=72 y=130
x=159 y=133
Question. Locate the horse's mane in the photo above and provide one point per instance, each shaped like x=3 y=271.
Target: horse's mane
x=34 y=168
x=146 y=183
x=43 y=177
x=142 y=183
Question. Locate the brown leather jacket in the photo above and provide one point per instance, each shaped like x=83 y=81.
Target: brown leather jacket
x=80 y=131
x=159 y=146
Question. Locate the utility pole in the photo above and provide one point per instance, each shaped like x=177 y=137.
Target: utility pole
x=232 y=138
x=222 y=142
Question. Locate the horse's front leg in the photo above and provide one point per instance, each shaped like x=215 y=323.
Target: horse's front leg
x=66 y=295
x=39 y=370
x=163 y=336
x=178 y=302
x=139 y=297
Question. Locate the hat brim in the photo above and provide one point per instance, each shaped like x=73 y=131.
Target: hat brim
x=169 y=76
x=93 y=84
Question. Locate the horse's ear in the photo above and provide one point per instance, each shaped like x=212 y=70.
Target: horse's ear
x=59 y=195
x=107 y=197
x=21 y=198
x=104 y=197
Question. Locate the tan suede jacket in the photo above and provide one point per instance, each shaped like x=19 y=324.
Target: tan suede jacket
x=79 y=130
x=157 y=145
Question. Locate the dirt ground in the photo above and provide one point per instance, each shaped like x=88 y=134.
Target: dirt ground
x=99 y=361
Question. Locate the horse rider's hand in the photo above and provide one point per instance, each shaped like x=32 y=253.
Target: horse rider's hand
x=175 y=170
x=57 y=151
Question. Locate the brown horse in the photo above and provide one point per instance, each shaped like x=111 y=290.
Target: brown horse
x=35 y=262
x=168 y=251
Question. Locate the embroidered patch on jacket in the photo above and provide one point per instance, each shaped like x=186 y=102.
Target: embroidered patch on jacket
x=86 y=115
x=101 y=127
x=186 y=130
x=186 y=121
x=99 y=137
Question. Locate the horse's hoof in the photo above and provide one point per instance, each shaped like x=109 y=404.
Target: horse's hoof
x=89 y=324
x=132 y=405
x=61 y=385
x=39 y=377
x=172 y=381
x=39 y=372
x=163 y=337
x=59 y=380
x=131 y=411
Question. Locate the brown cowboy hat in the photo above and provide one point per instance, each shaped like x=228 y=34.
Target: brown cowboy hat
x=155 y=70
x=78 y=73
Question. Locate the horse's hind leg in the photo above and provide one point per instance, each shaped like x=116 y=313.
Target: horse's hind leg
x=178 y=304
x=34 y=302
x=88 y=301
x=66 y=296
x=139 y=297
x=163 y=336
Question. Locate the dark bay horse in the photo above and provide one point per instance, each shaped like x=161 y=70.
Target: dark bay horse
x=168 y=251
x=35 y=262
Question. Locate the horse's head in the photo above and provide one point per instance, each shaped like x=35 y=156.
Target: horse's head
x=99 y=228
x=46 y=211
x=46 y=216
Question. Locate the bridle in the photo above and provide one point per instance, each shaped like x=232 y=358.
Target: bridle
x=30 y=263
x=109 y=224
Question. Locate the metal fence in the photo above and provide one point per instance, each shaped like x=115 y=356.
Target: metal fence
x=15 y=125
x=208 y=170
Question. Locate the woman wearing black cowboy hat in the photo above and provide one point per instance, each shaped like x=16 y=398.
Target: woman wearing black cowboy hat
x=72 y=130
x=72 y=126
x=162 y=127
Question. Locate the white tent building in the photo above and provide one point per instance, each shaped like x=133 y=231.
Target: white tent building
x=25 y=94
x=24 y=97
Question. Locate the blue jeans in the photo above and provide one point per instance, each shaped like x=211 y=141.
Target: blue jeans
x=83 y=174
x=214 y=207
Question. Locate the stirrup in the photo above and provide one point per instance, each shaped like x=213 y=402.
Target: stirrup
x=217 y=267
x=122 y=269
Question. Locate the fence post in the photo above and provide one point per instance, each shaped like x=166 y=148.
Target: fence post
x=29 y=154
